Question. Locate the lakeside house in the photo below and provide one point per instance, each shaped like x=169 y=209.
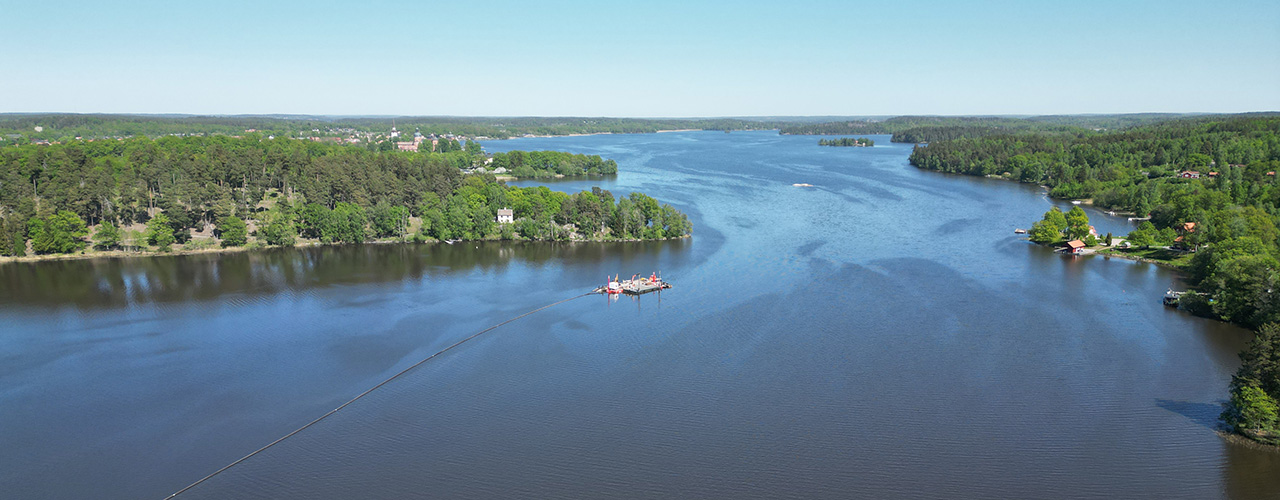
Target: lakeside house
x=1185 y=229
x=1190 y=174
x=1075 y=247
x=506 y=216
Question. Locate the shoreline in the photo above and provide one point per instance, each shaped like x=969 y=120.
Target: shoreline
x=123 y=254
x=1136 y=258
x=1243 y=440
x=1117 y=255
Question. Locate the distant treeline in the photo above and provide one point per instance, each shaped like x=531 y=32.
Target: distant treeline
x=289 y=188
x=942 y=133
x=862 y=142
x=937 y=128
x=20 y=128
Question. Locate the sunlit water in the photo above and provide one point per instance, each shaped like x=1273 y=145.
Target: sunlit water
x=882 y=334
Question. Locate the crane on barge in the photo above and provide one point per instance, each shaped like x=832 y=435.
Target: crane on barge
x=635 y=286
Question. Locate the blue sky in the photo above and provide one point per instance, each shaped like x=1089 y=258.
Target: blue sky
x=642 y=59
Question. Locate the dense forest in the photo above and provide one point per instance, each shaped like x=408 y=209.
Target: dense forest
x=202 y=191
x=542 y=164
x=860 y=142
x=1208 y=186
x=22 y=128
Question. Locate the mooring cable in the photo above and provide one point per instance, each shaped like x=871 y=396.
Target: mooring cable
x=366 y=392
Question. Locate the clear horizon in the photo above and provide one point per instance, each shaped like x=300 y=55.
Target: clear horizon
x=659 y=60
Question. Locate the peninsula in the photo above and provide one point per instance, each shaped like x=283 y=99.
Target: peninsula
x=113 y=197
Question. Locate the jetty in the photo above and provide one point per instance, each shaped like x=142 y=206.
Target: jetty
x=634 y=286
x=1171 y=298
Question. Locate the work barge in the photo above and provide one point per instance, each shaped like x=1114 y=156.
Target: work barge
x=634 y=286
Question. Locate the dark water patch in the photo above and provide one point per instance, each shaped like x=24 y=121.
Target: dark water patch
x=807 y=249
x=955 y=226
x=1203 y=414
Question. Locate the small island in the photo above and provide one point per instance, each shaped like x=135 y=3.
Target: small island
x=860 y=142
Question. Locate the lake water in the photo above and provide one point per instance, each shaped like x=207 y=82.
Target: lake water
x=883 y=334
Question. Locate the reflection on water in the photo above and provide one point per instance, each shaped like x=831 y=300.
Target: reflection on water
x=117 y=282
x=1250 y=471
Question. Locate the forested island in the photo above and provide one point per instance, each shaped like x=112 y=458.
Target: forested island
x=196 y=193
x=861 y=142
x=1207 y=186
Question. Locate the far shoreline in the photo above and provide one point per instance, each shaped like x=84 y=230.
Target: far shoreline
x=549 y=136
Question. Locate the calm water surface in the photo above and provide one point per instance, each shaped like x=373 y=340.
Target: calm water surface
x=883 y=334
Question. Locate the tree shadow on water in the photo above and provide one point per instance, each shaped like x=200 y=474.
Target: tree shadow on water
x=1204 y=414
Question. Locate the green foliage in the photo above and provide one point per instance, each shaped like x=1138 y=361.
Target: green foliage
x=110 y=126
x=160 y=233
x=544 y=164
x=13 y=237
x=201 y=244
x=277 y=226
x=61 y=232
x=1255 y=388
x=1260 y=362
x=233 y=231
x=861 y=142
x=1044 y=232
x=107 y=237
x=344 y=224
x=1244 y=289
x=1056 y=219
x=332 y=193
x=388 y=221
x=1050 y=228
x=1077 y=224
x=919 y=129
x=1144 y=236
x=1250 y=408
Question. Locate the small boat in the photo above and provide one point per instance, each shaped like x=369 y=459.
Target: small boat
x=1075 y=202
x=1020 y=231
x=1171 y=298
x=802 y=185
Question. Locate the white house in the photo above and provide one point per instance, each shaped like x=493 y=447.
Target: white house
x=505 y=216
